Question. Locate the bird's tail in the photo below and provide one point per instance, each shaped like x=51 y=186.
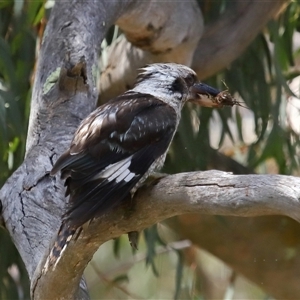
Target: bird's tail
x=63 y=238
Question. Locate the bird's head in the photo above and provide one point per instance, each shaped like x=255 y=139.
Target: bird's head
x=177 y=84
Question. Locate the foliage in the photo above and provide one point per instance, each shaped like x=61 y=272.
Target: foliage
x=260 y=78
x=19 y=37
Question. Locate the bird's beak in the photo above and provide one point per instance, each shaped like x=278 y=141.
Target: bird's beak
x=207 y=96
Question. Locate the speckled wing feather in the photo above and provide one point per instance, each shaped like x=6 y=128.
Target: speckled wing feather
x=111 y=151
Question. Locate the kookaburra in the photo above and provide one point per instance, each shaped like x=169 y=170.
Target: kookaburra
x=123 y=141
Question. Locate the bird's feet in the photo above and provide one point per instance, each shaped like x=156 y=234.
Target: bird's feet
x=133 y=237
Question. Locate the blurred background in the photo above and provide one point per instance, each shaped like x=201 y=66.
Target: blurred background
x=194 y=256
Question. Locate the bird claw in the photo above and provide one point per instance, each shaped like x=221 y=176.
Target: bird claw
x=133 y=237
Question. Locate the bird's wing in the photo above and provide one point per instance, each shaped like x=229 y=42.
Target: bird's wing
x=111 y=150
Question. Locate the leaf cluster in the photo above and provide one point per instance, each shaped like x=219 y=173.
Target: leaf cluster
x=21 y=25
x=260 y=78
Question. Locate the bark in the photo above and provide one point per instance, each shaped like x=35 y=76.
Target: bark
x=210 y=192
x=221 y=43
x=64 y=93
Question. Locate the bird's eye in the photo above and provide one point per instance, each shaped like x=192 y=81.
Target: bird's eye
x=190 y=79
x=178 y=85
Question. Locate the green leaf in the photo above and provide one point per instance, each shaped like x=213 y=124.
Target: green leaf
x=116 y=247
x=121 y=278
x=6 y=3
x=6 y=63
x=35 y=12
x=238 y=119
x=3 y=126
x=274 y=149
x=151 y=237
x=179 y=274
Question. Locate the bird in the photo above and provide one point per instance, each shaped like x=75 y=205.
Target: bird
x=122 y=142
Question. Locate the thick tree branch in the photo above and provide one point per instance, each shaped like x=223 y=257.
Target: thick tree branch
x=227 y=38
x=210 y=192
x=155 y=31
x=64 y=93
x=221 y=43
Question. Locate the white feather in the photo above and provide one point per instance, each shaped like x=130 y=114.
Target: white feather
x=118 y=171
x=129 y=177
x=123 y=169
x=122 y=175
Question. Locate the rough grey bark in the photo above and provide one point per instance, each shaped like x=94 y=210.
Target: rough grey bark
x=64 y=93
x=210 y=192
x=221 y=43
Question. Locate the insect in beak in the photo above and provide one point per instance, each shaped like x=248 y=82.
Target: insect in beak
x=224 y=98
x=208 y=96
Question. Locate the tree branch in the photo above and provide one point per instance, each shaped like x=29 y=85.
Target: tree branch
x=155 y=31
x=64 y=93
x=226 y=39
x=210 y=192
x=221 y=43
